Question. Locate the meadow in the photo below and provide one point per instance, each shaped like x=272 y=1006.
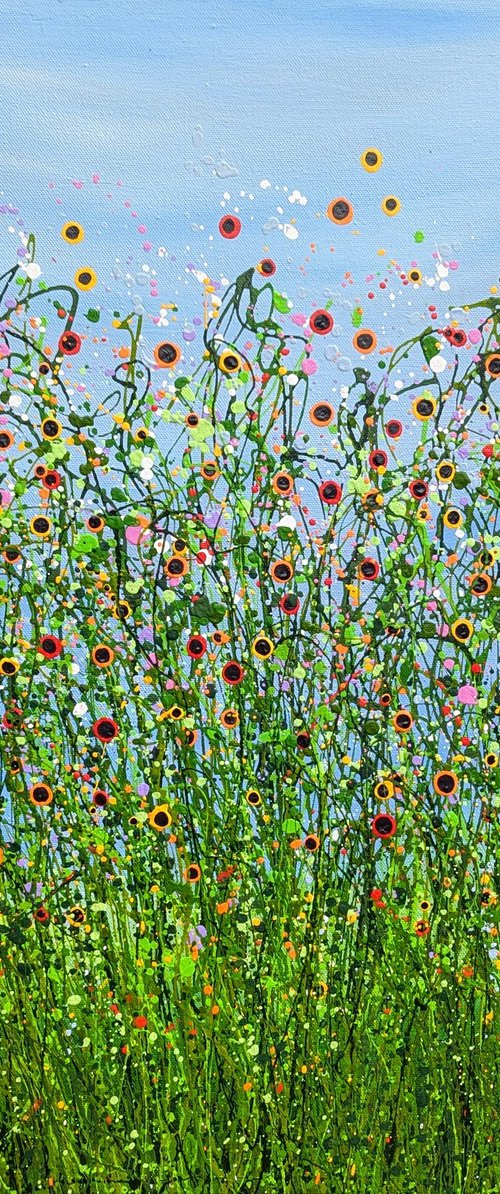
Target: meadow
x=249 y=754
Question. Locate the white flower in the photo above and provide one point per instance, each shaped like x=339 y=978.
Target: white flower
x=438 y=363
x=80 y=709
x=287 y=521
x=33 y=270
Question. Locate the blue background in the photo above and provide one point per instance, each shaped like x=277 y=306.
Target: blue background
x=158 y=95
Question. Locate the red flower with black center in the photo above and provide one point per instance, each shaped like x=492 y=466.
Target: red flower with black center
x=378 y=459
x=289 y=604
x=394 y=428
x=229 y=227
x=70 y=344
x=52 y=479
x=330 y=493
x=105 y=729
x=383 y=825
x=196 y=646
x=418 y=489
x=41 y=915
x=50 y=646
x=232 y=672
x=321 y=322
x=368 y=569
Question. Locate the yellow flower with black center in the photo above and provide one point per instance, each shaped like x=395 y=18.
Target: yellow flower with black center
x=85 y=278
x=371 y=160
x=230 y=361
x=445 y=471
x=51 y=428
x=453 y=518
x=391 y=205
x=384 y=789
x=41 y=526
x=160 y=818
x=424 y=407
x=462 y=630
x=8 y=666
x=262 y=647
x=76 y=916
x=72 y=233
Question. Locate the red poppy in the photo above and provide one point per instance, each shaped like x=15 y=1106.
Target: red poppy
x=70 y=343
x=105 y=729
x=232 y=672
x=140 y=1021
x=100 y=798
x=378 y=459
x=418 y=489
x=41 y=915
x=52 y=479
x=321 y=322
x=330 y=493
x=368 y=569
x=394 y=428
x=289 y=604
x=267 y=267
x=455 y=336
x=12 y=718
x=383 y=825
x=50 y=646
x=196 y=646
x=229 y=227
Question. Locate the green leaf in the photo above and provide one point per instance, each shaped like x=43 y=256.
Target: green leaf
x=83 y=545
x=186 y=967
x=281 y=303
x=290 y=825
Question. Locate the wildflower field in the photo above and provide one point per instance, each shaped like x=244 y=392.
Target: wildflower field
x=249 y=747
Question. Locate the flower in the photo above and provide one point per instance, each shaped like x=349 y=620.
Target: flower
x=467 y=694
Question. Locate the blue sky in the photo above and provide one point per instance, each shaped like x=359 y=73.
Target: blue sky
x=158 y=95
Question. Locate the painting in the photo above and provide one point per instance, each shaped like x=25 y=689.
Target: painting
x=249 y=547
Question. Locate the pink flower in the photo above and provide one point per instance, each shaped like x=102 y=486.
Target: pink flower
x=136 y=534
x=467 y=694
